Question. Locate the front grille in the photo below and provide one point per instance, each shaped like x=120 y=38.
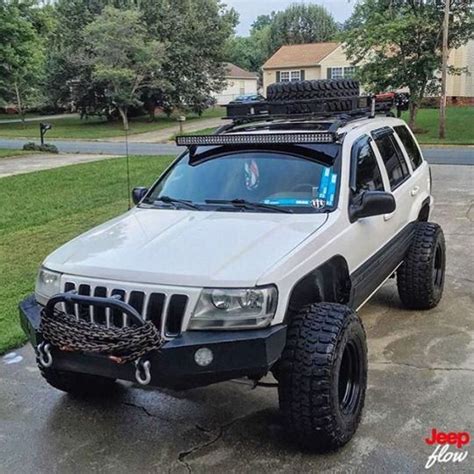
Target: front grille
x=166 y=311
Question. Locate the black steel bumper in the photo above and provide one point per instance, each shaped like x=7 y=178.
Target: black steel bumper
x=236 y=354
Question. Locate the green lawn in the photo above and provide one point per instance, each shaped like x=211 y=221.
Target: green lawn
x=459 y=126
x=96 y=128
x=15 y=116
x=7 y=153
x=35 y=220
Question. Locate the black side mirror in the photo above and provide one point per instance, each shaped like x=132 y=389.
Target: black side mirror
x=371 y=203
x=138 y=194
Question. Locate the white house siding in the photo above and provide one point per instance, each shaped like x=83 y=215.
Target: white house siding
x=236 y=87
x=462 y=85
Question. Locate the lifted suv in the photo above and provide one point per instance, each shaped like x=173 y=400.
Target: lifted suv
x=250 y=255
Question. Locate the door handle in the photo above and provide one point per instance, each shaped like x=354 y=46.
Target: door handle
x=387 y=217
x=415 y=190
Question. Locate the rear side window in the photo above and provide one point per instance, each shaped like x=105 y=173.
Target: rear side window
x=366 y=174
x=397 y=168
x=410 y=145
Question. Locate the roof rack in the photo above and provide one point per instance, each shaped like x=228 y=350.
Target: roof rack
x=342 y=109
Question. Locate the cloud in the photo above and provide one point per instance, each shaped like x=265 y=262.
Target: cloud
x=250 y=9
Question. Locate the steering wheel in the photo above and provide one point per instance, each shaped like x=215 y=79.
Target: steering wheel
x=303 y=185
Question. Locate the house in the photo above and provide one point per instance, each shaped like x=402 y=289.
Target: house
x=307 y=61
x=328 y=61
x=238 y=82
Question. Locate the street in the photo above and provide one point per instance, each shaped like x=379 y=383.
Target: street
x=456 y=155
x=421 y=376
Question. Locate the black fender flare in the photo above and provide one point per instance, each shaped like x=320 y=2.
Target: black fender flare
x=329 y=282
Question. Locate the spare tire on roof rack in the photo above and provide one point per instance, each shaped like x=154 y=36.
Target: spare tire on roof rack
x=312 y=89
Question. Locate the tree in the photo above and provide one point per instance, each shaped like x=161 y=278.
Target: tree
x=122 y=58
x=248 y=52
x=261 y=22
x=301 y=23
x=397 y=43
x=194 y=33
x=297 y=24
x=21 y=54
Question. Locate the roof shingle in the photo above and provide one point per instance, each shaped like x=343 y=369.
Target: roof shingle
x=236 y=72
x=299 y=55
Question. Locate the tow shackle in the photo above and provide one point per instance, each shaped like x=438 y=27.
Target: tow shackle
x=45 y=358
x=142 y=371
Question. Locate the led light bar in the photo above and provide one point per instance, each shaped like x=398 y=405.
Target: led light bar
x=256 y=139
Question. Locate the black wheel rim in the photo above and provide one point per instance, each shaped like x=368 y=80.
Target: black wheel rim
x=349 y=384
x=438 y=267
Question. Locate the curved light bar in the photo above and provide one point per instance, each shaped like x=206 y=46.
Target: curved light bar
x=256 y=139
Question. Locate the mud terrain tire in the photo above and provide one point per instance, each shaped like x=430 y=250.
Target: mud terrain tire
x=323 y=376
x=420 y=278
x=315 y=89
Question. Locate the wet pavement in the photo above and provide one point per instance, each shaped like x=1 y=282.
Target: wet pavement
x=421 y=376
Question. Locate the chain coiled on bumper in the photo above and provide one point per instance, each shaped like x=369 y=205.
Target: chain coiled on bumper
x=122 y=345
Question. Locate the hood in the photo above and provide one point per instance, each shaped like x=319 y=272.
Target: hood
x=185 y=248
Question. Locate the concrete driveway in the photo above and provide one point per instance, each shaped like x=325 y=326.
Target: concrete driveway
x=421 y=376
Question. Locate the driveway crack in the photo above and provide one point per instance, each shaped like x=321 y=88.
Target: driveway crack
x=149 y=413
x=220 y=432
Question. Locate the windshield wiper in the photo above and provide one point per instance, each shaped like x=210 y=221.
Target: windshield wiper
x=174 y=202
x=242 y=203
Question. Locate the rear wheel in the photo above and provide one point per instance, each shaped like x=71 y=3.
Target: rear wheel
x=323 y=376
x=78 y=384
x=420 y=278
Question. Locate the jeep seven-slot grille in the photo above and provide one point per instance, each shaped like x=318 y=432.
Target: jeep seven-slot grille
x=165 y=311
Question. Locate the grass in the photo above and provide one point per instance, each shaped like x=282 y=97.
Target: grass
x=35 y=220
x=7 y=153
x=16 y=116
x=95 y=127
x=459 y=125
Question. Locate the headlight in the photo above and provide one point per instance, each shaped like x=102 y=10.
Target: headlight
x=48 y=284
x=234 y=308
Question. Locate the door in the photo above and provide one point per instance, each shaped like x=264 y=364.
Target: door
x=368 y=235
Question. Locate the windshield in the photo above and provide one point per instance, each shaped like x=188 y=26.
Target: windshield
x=253 y=181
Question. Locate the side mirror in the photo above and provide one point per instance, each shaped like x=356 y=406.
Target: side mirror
x=371 y=203
x=138 y=194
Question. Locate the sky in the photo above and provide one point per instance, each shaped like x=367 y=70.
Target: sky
x=250 y=9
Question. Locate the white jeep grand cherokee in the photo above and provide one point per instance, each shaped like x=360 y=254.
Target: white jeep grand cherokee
x=249 y=255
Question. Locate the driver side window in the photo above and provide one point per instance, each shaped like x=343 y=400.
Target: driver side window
x=365 y=172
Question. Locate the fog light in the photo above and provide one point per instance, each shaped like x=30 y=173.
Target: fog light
x=203 y=356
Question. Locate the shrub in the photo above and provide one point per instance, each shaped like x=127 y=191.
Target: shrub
x=46 y=148
x=30 y=146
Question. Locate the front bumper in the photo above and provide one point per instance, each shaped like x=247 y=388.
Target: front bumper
x=236 y=354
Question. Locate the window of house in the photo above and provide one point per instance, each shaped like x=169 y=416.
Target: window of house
x=392 y=156
x=290 y=76
x=349 y=72
x=366 y=175
x=410 y=145
x=337 y=73
x=295 y=75
x=242 y=87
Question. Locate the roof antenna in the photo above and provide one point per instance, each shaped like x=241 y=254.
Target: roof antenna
x=129 y=191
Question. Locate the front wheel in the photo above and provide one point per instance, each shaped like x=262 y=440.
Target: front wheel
x=323 y=376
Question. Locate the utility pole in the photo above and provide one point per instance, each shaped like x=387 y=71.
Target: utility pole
x=444 y=72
